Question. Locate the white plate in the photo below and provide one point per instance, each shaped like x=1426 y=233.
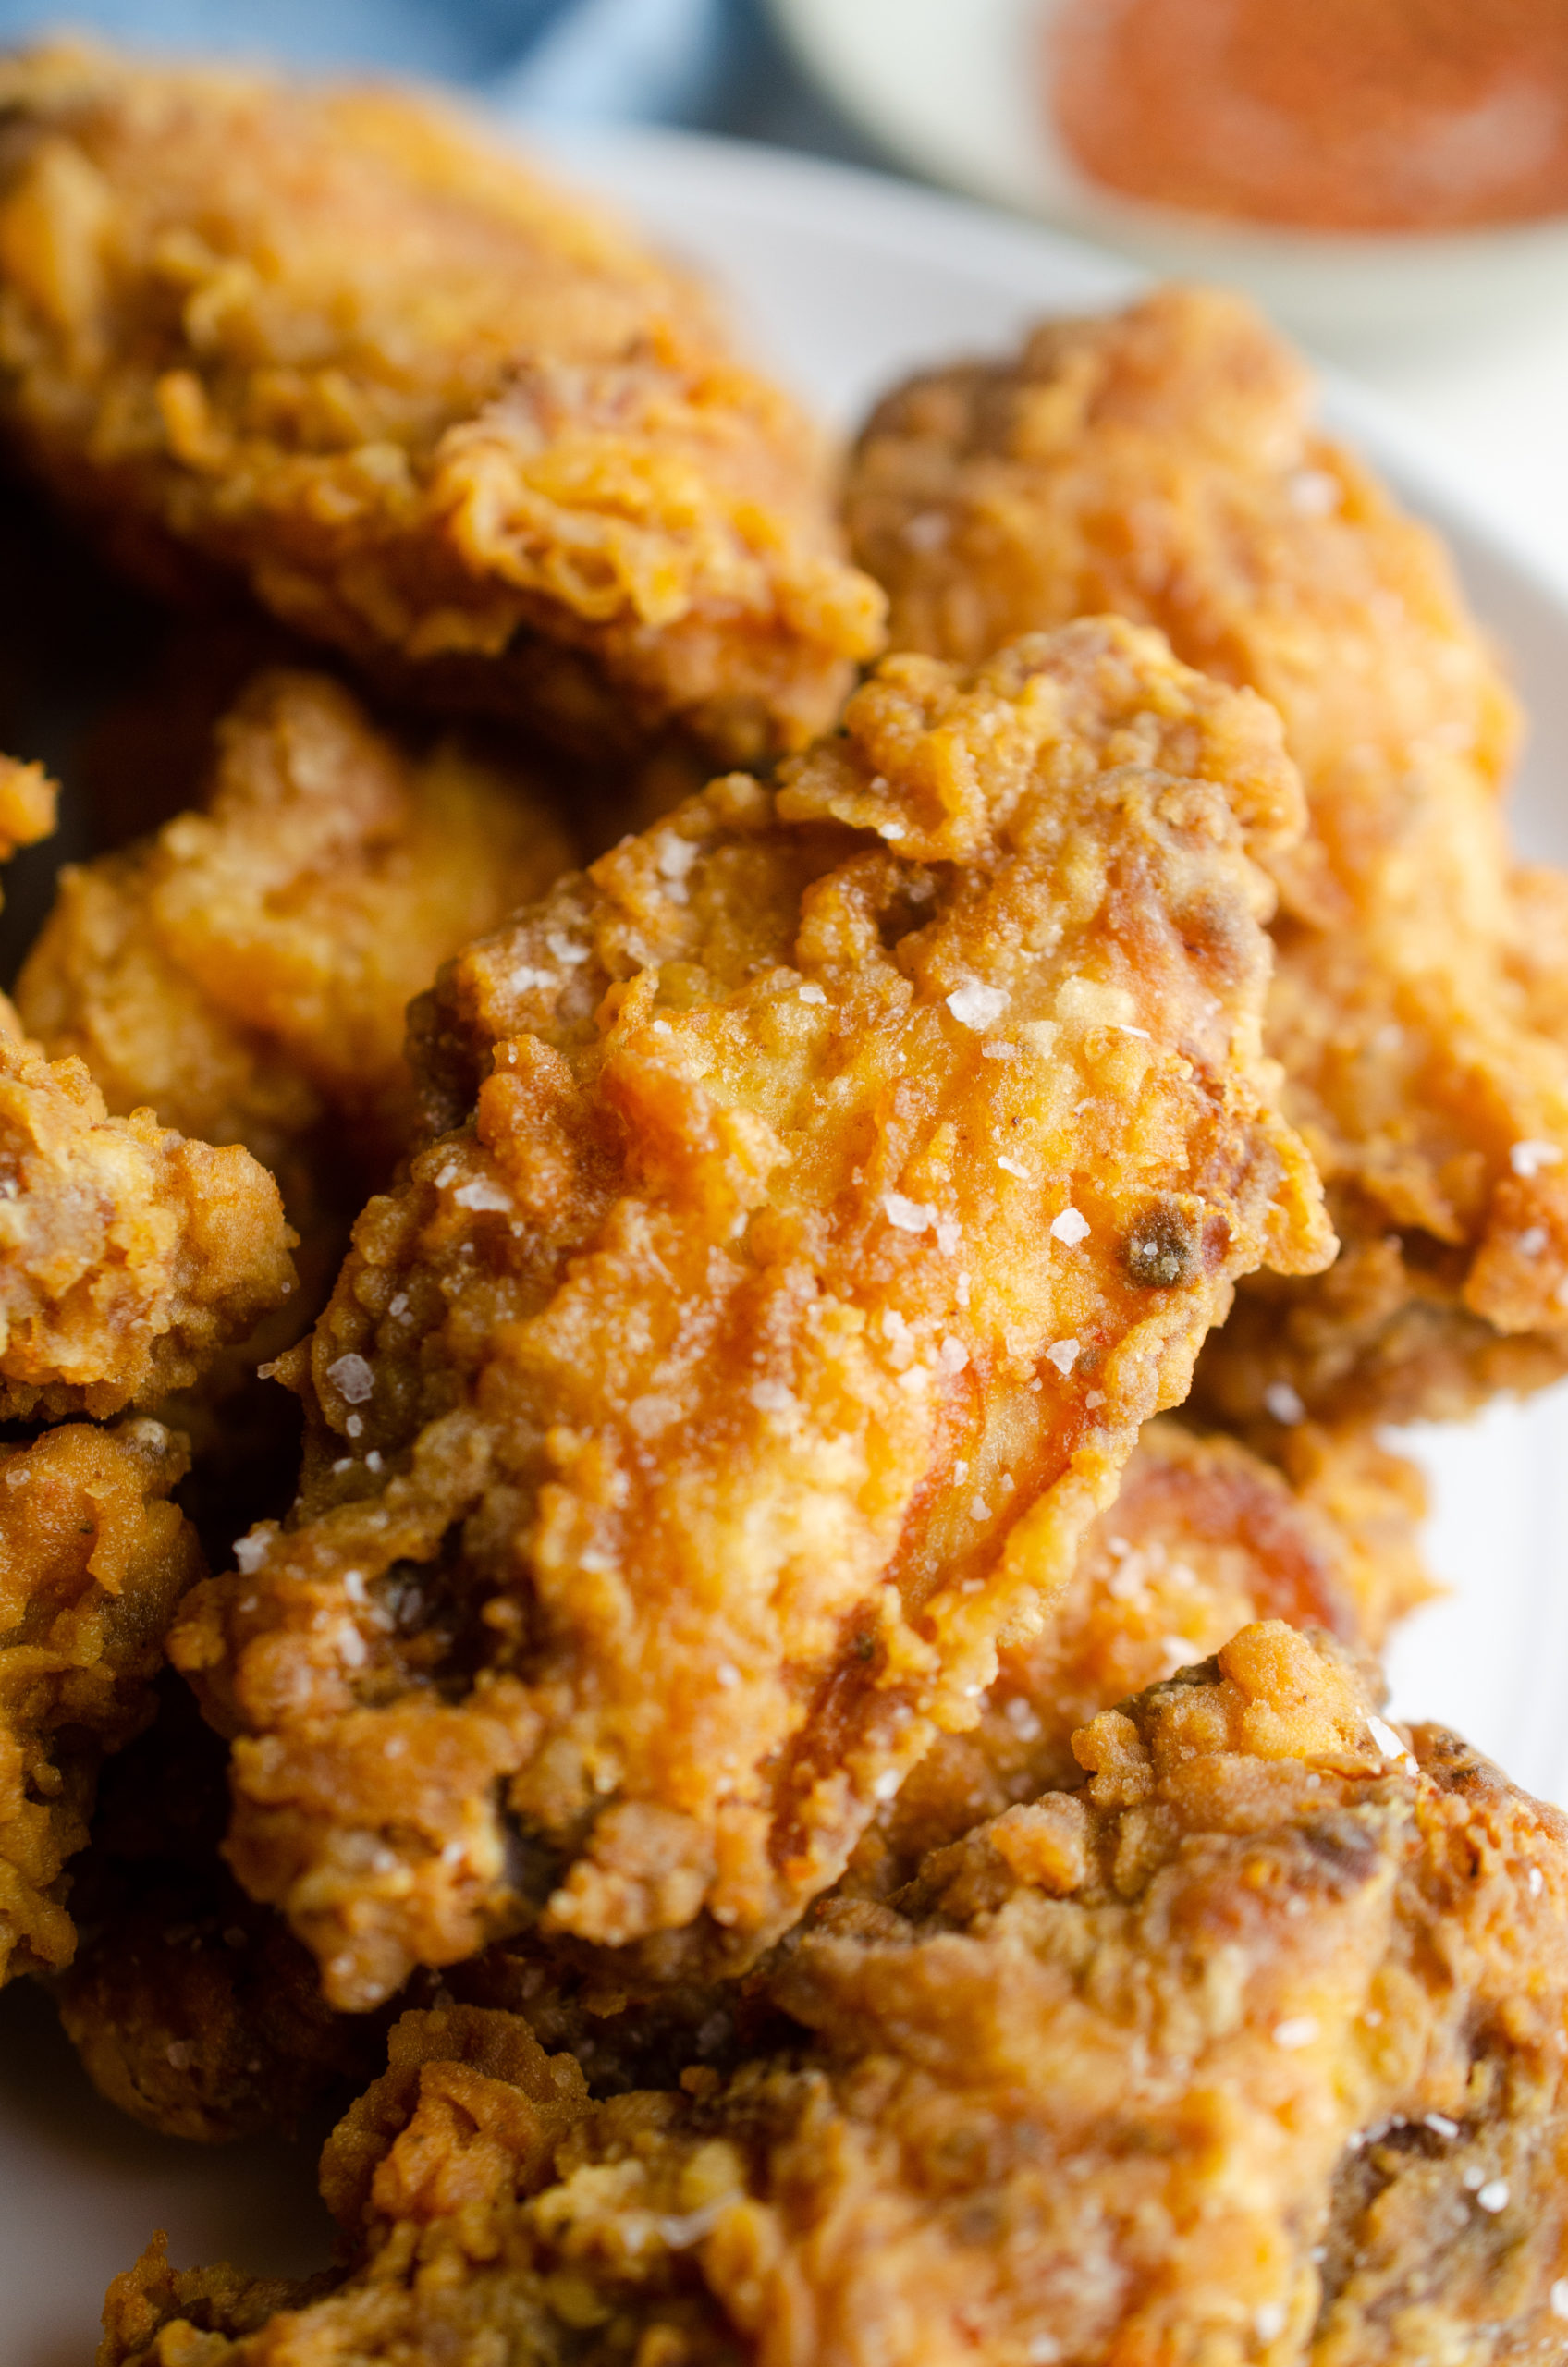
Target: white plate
x=955 y=89
x=844 y=282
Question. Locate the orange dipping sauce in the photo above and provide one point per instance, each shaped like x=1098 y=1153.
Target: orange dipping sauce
x=1319 y=115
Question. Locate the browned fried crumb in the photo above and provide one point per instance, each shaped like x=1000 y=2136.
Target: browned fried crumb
x=1161 y=463
x=193 y=2009
x=128 y=1255
x=1251 y=2048
x=93 y=1561
x=689 y=1425
x=339 y=343
x=1201 y=1537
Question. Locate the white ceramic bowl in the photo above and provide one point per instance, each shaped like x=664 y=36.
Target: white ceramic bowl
x=845 y=282
x=953 y=88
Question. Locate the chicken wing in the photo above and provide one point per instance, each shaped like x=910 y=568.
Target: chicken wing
x=340 y=346
x=1162 y=464
x=854 y=1166
x=94 y=1559
x=1250 y=2048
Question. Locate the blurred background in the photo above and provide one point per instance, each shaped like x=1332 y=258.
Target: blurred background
x=1389 y=177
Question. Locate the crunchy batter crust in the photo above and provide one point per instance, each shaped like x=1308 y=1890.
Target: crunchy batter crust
x=1251 y=2049
x=430 y=409
x=1201 y=1537
x=245 y=972
x=128 y=1255
x=93 y=1561
x=857 y=1166
x=1161 y=463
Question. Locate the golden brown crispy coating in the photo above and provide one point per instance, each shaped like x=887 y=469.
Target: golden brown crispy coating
x=92 y=1560
x=245 y=972
x=857 y=1166
x=429 y=408
x=127 y=1253
x=1202 y=1536
x=1251 y=2048
x=1161 y=463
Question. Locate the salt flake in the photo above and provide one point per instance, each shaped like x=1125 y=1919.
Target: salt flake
x=977 y=1006
x=1070 y=1227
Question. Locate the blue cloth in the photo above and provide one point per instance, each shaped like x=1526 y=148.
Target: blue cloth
x=563 y=60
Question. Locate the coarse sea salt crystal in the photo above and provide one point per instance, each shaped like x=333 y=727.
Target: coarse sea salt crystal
x=1268 y=2320
x=1296 y=2030
x=482 y=1193
x=1493 y=2196
x=811 y=993
x=563 y=948
x=352 y=1378
x=249 y=1553
x=1070 y=1227
x=1535 y=1882
x=1529 y=1158
x=1560 y=2297
x=951 y=1356
x=977 y=1006
x=1440 y=2124
x=1013 y=1167
x=906 y=1215
x=1283 y=1402
x=1532 y=1241
x=1386 y=1739
x=1063 y=1354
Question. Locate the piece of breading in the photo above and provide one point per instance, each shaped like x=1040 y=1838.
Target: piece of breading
x=854 y=1167
x=1253 y=2048
x=1202 y=1536
x=245 y=972
x=339 y=342
x=128 y=1255
x=1161 y=463
x=94 y=1559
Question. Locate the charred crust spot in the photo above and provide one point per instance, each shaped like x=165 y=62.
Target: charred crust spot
x=1163 y=1249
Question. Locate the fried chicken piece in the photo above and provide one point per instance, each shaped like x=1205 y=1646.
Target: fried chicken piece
x=188 y=2009
x=853 y=1168
x=1161 y=463
x=193 y=2009
x=127 y=1253
x=1252 y=2047
x=1202 y=1538
x=94 y=1559
x=339 y=344
x=245 y=972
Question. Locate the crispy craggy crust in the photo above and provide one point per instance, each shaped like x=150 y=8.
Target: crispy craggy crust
x=429 y=408
x=1250 y=2048
x=245 y=972
x=1161 y=463
x=1202 y=1536
x=93 y=1561
x=731 y=1339
x=127 y=1253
